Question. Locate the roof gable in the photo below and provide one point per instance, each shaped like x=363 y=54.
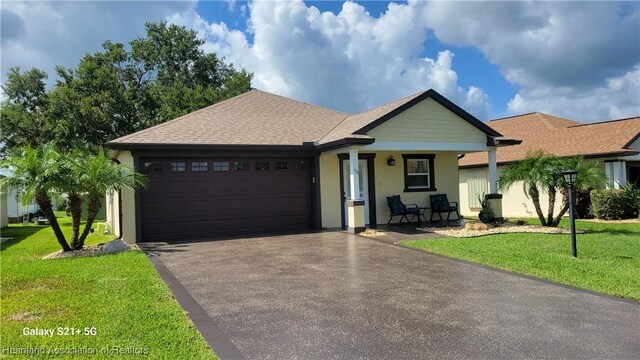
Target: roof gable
x=363 y=122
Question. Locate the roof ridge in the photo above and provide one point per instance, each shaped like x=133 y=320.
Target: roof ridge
x=371 y=109
x=606 y=121
x=179 y=118
x=303 y=102
x=392 y=101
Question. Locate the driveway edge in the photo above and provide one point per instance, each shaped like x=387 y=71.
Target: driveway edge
x=530 y=277
x=213 y=335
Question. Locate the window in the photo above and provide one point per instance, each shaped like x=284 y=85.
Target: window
x=281 y=165
x=241 y=166
x=198 y=166
x=220 y=166
x=262 y=165
x=152 y=167
x=418 y=172
x=301 y=165
x=178 y=166
x=477 y=185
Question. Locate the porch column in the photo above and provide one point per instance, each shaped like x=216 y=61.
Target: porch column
x=355 y=205
x=494 y=199
x=493 y=172
x=353 y=174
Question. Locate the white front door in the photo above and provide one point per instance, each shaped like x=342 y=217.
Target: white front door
x=364 y=188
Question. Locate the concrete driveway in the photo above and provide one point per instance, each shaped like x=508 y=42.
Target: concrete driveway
x=336 y=295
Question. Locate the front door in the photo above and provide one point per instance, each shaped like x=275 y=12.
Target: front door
x=364 y=188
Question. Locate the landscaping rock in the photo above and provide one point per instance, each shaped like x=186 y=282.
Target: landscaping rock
x=114 y=246
x=476 y=226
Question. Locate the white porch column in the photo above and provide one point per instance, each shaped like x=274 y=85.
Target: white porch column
x=493 y=172
x=353 y=174
x=355 y=205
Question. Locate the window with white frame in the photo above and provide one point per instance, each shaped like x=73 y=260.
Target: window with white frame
x=419 y=172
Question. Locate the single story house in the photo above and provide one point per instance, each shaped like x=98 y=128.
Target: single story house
x=260 y=162
x=15 y=208
x=615 y=145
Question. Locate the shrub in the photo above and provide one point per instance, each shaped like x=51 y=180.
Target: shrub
x=582 y=204
x=616 y=204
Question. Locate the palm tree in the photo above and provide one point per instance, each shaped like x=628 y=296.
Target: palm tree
x=590 y=176
x=36 y=173
x=535 y=172
x=96 y=174
x=541 y=171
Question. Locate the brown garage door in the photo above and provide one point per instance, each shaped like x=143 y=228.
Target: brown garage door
x=199 y=198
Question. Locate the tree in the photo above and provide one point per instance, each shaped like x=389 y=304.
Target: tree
x=117 y=91
x=44 y=173
x=543 y=172
x=97 y=174
x=36 y=173
x=23 y=114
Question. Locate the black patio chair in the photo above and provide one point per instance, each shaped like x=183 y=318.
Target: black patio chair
x=398 y=208
x=441 y=204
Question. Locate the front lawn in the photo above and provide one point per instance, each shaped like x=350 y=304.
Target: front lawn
x=118 y=297
x=608 y=255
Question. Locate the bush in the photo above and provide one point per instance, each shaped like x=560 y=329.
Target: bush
x=616 y=204
x=583 y=204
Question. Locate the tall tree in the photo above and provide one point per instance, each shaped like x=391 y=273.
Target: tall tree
x=117 y=91
x=23 y=113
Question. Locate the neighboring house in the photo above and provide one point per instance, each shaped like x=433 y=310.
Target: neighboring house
x=4 y=219
x=15 y=208
x=615 y=145
x=261 y=163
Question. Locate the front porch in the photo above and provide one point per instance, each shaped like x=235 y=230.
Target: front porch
x=356 y=182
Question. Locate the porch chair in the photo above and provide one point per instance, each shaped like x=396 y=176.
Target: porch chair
x=398 y=208
x=441 y=204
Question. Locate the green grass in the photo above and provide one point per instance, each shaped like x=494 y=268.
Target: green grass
x=120 y=295
x=608 y=255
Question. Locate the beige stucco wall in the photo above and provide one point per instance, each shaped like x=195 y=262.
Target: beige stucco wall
x=331 y=206
x=128 y=206
x=428 y=121
x=515 y=203
x=389 y=180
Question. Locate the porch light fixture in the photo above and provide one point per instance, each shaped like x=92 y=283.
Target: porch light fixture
x=570 y=177
x=391 y=161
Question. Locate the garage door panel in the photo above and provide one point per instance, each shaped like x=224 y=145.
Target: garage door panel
x=189 y=205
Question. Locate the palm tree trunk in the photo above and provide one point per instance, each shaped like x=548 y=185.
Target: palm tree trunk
x=564 y=209
x=552 y=204
x=93 y=208
x=75 y=208
x=535 y=198
x=44 y=203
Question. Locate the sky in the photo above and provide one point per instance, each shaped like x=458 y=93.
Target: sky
x=579 y=60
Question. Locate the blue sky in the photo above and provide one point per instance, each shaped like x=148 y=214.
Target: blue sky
x=579 y=60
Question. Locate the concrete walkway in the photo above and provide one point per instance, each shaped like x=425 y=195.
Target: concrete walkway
x=335 y=295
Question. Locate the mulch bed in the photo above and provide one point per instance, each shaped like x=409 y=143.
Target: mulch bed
x=466 y=233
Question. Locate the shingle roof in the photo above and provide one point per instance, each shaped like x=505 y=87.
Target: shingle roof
x=261 y=118
x=558 y=136
x=253 y=118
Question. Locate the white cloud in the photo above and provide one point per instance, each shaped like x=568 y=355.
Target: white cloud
x=46 y=34
x=574 y=59
x=617 y=99
x=350 y=61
